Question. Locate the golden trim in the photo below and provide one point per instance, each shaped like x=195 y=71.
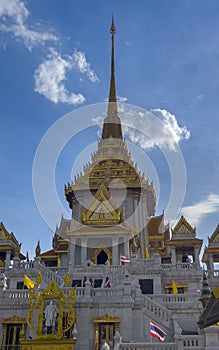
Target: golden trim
x=60 y=344
x=92 y=216
x=105 y=319
x=52 y=293
x=183 y=227
x=13 y=319
x=97 y=252
x=187 y=241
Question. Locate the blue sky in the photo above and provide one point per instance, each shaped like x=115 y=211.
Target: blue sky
x=55 y=58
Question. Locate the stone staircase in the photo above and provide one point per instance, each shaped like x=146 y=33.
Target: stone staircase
x=156 y=312
x=48 y=275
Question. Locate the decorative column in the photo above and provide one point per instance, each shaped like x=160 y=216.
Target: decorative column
x=126 y=248
x=115 y=251
x=144 y=218
x=37 y=257
x=141 y=225
x=135 y=199
x=16 y=259
x=71 y=256
x=173 y=254
x=196 y=256
x=83 y=249
x=8 y=258
x=211 y=263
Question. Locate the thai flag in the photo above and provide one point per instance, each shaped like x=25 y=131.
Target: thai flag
x=107 y=283
x=157 y=332
x=124 y=259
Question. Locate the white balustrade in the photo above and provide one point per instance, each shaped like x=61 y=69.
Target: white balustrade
x=192 y=342
x=155 y=311
x=49 y=275
x=148 y=346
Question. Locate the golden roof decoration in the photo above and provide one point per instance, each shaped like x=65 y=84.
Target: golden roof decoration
x=102 y=210
x=67 y=279
x=111 y=163
x=215 y=236
x=38 y=279
x=183 y=227
x=38 y=249
x=5 y=235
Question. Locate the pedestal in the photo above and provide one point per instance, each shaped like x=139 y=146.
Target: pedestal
x=40 y=344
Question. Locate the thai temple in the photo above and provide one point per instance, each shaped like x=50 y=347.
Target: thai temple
x=116 y=277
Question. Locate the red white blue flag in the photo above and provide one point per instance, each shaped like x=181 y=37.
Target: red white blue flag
x=107 y=283
x=157 y=332
x=124 y=259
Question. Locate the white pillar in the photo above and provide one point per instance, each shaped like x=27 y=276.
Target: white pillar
x=7 y=259
x=135 y=198
x=115 y=251
x=141 y=226
x=173 y=254
x=144 y=218
x=126 y=248
x=211 y=263
x=83 y=249
x=196 y=256
x=71 y=256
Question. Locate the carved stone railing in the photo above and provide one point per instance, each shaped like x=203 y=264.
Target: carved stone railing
x=61 y=271
x=156 y=311
x=14 y=300
x=174 y=298
x=47 y=275
x=148 y=346
x=179 y=266
x=192 y=342
x=116 y=274
x=25 y=265
x=103 y=294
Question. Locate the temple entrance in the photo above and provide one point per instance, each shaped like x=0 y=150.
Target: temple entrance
x=105 y=329
x=102 y=257
x=106 y=333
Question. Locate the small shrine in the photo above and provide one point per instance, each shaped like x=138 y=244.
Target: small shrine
x=185 y=246
x=51 y=318
x=211 y=252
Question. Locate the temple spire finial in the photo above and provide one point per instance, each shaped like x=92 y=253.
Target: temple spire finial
x=112 y=92
x=112 y=28
x=112 y=124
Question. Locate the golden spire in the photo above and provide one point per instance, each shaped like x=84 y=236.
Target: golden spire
x=112 y=92
x=112 y=124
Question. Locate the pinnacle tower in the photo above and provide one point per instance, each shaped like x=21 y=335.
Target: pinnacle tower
x=112 y=124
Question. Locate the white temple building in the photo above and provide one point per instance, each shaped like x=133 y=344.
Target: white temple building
x=128 y=268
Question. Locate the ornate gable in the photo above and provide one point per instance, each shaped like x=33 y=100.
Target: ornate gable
x=183 y=227
x=4 y=234
x=103 y=210
x=215 y=236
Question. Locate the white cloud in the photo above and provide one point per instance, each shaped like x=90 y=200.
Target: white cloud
x=157 y=128
x=13 y=15
x=122 y=99
x=150 y=129
x=49 y=77
x=81 y=65
x=51 y=74
x=195 y=213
